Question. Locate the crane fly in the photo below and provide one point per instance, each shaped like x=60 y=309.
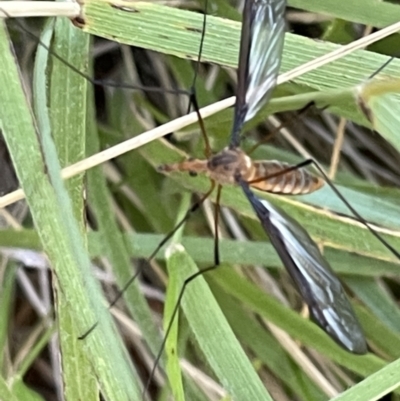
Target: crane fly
x=260 y=53
x=261 y=45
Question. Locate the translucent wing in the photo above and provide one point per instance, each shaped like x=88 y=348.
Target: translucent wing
x=314 y=278
x=261 y=45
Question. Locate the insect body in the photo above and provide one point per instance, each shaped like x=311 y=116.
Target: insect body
x=259 y=60
x=269 y=175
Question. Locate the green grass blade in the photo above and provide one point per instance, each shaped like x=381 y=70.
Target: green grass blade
x=174 y=371
x=64 y=111
x=5 y=392
x=141 y=245
x=307 y=332
x=214 y=336
x=379 y=335
x=179 y=34
x=57 y=228
x=173 y=368
x=7 y=283
x=266 y=348
x=377 y=299
x=368 y=12
x=375 y=386
x=114 y=249
x=381 y=103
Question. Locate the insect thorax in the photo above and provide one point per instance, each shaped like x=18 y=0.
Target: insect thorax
x=228 y=164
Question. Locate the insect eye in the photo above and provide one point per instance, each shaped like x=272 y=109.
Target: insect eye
x=192 y=173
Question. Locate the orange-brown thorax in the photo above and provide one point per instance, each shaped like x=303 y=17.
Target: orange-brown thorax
x=227 y=165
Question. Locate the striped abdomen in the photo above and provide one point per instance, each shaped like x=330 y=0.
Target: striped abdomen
x=294 y=182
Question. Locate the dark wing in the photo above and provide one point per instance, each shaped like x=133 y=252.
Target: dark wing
x=261 y=44
x=314 y=278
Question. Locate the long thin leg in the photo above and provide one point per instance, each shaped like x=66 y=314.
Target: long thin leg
x=216 y=219
x=196 y=71
x=192 y=90
x=196 y=205
x=94 y=81
x=300 y=114
x=303 y=110
x=182 y=290
x=207 y=146
x=382 y=67
x=354 y=211
x=302 y=164
x=192 y=209
x=338 y=194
